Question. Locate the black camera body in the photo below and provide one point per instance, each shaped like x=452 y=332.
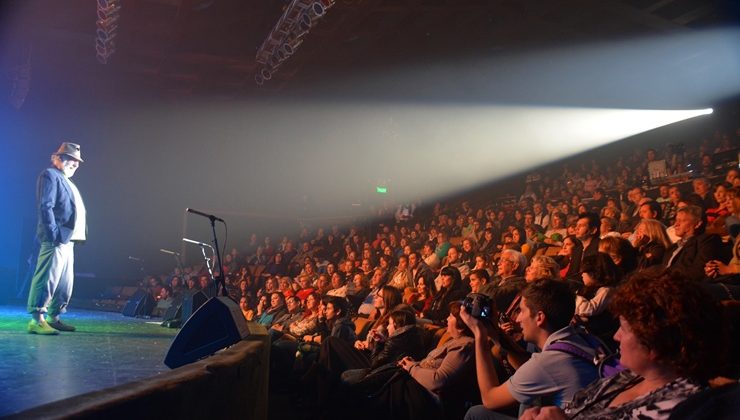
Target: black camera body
x=478 y=305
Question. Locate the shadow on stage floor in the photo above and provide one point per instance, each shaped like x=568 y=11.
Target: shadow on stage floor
x=107 y=349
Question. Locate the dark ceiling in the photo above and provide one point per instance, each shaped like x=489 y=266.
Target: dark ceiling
x=206 y=48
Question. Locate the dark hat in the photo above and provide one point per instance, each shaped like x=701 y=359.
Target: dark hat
x=70 y=149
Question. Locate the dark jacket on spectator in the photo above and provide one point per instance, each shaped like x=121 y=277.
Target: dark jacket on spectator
x=441 y=302
x=650 y=254
x=504 y=292
x=405 y=342
x=695 y=254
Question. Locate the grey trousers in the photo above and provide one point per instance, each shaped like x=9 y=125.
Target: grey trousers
x=51 y=286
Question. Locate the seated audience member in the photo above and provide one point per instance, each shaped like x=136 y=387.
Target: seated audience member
x=276 y=267
x=549 y=377
x=670 y=206
x=438 y=384
x=430 y=257
x=695 y=248
x=335 y=322
x=734 y=217
x=443 y=245
x=451 y=290
x=608 y=227
x=323 y=283
x=716 y=215
x=270 y=287
x=478 y=279
x=569 y=257
x=244 y=306
x=360 y=290
x=308 y=323
x=367 y=307
x=338 y=286
x=338 y=357
x=388 y=298
x=482 y=263
x=651 y=241
x=284 y=345
x=702 y=188
x=421 y=301
x=419 y=268
x=453 y=260
x=467 y=253
x=276 y=309
x=667 y=345
x=600 y=277
x=716 y=269
x=164 y=301
x=650 y=210
x=541 y=268
x=622 y=253
x=294 y=313
x=488 y=245
x=509 y=281
x=557 y=231
x=402 y=278
x=285 y=287
x=587 y=231
x=305 y=287
x=519 y=236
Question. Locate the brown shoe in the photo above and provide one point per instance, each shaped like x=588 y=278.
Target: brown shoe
x=41 y=328
x=61 y=326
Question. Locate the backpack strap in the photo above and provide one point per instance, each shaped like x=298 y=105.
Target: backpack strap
x=571 y=349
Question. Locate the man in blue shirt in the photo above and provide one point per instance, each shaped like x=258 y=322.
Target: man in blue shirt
x=550 y=377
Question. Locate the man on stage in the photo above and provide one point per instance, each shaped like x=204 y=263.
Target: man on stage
x=61 y=223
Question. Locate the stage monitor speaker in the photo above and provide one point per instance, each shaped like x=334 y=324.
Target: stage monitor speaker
x=217 y=324
x=191 y=301
x=172 y=317
x=140 y=304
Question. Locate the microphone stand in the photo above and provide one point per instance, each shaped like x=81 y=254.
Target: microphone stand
x=221 y=278
x=209 y=266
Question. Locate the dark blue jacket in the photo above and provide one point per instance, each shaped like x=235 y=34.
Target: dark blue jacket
x=57 y=212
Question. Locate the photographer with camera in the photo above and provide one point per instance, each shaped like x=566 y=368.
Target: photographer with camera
x=549 y=377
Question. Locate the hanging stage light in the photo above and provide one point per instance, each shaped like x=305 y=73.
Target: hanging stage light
x=287 y=35
x=107 y=26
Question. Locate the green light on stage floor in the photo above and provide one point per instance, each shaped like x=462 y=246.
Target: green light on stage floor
x=381 y=190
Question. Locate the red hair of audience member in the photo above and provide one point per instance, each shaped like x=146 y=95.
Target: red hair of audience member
x=676 y=320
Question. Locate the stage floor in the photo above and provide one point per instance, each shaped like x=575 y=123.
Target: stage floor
x=107 y=349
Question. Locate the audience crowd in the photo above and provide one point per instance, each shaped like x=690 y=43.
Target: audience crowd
x=636 y=258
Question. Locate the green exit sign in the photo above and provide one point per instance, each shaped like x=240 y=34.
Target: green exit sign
x=381 y=190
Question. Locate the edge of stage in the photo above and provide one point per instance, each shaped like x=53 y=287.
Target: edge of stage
x=114 y=364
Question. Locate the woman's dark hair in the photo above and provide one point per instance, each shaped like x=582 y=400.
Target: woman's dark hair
x=454 y=273
x=391 y=297
x=402 y=318
x=522 y=235
x=429 y=283
x=454 y=308
x=602 y=269
x=675 y=318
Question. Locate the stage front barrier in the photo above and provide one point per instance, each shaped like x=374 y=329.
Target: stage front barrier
x=232 y=383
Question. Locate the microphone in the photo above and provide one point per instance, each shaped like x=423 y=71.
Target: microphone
x=167 y=251
x=135 y=259
x=206 y=215
x=196 y=242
